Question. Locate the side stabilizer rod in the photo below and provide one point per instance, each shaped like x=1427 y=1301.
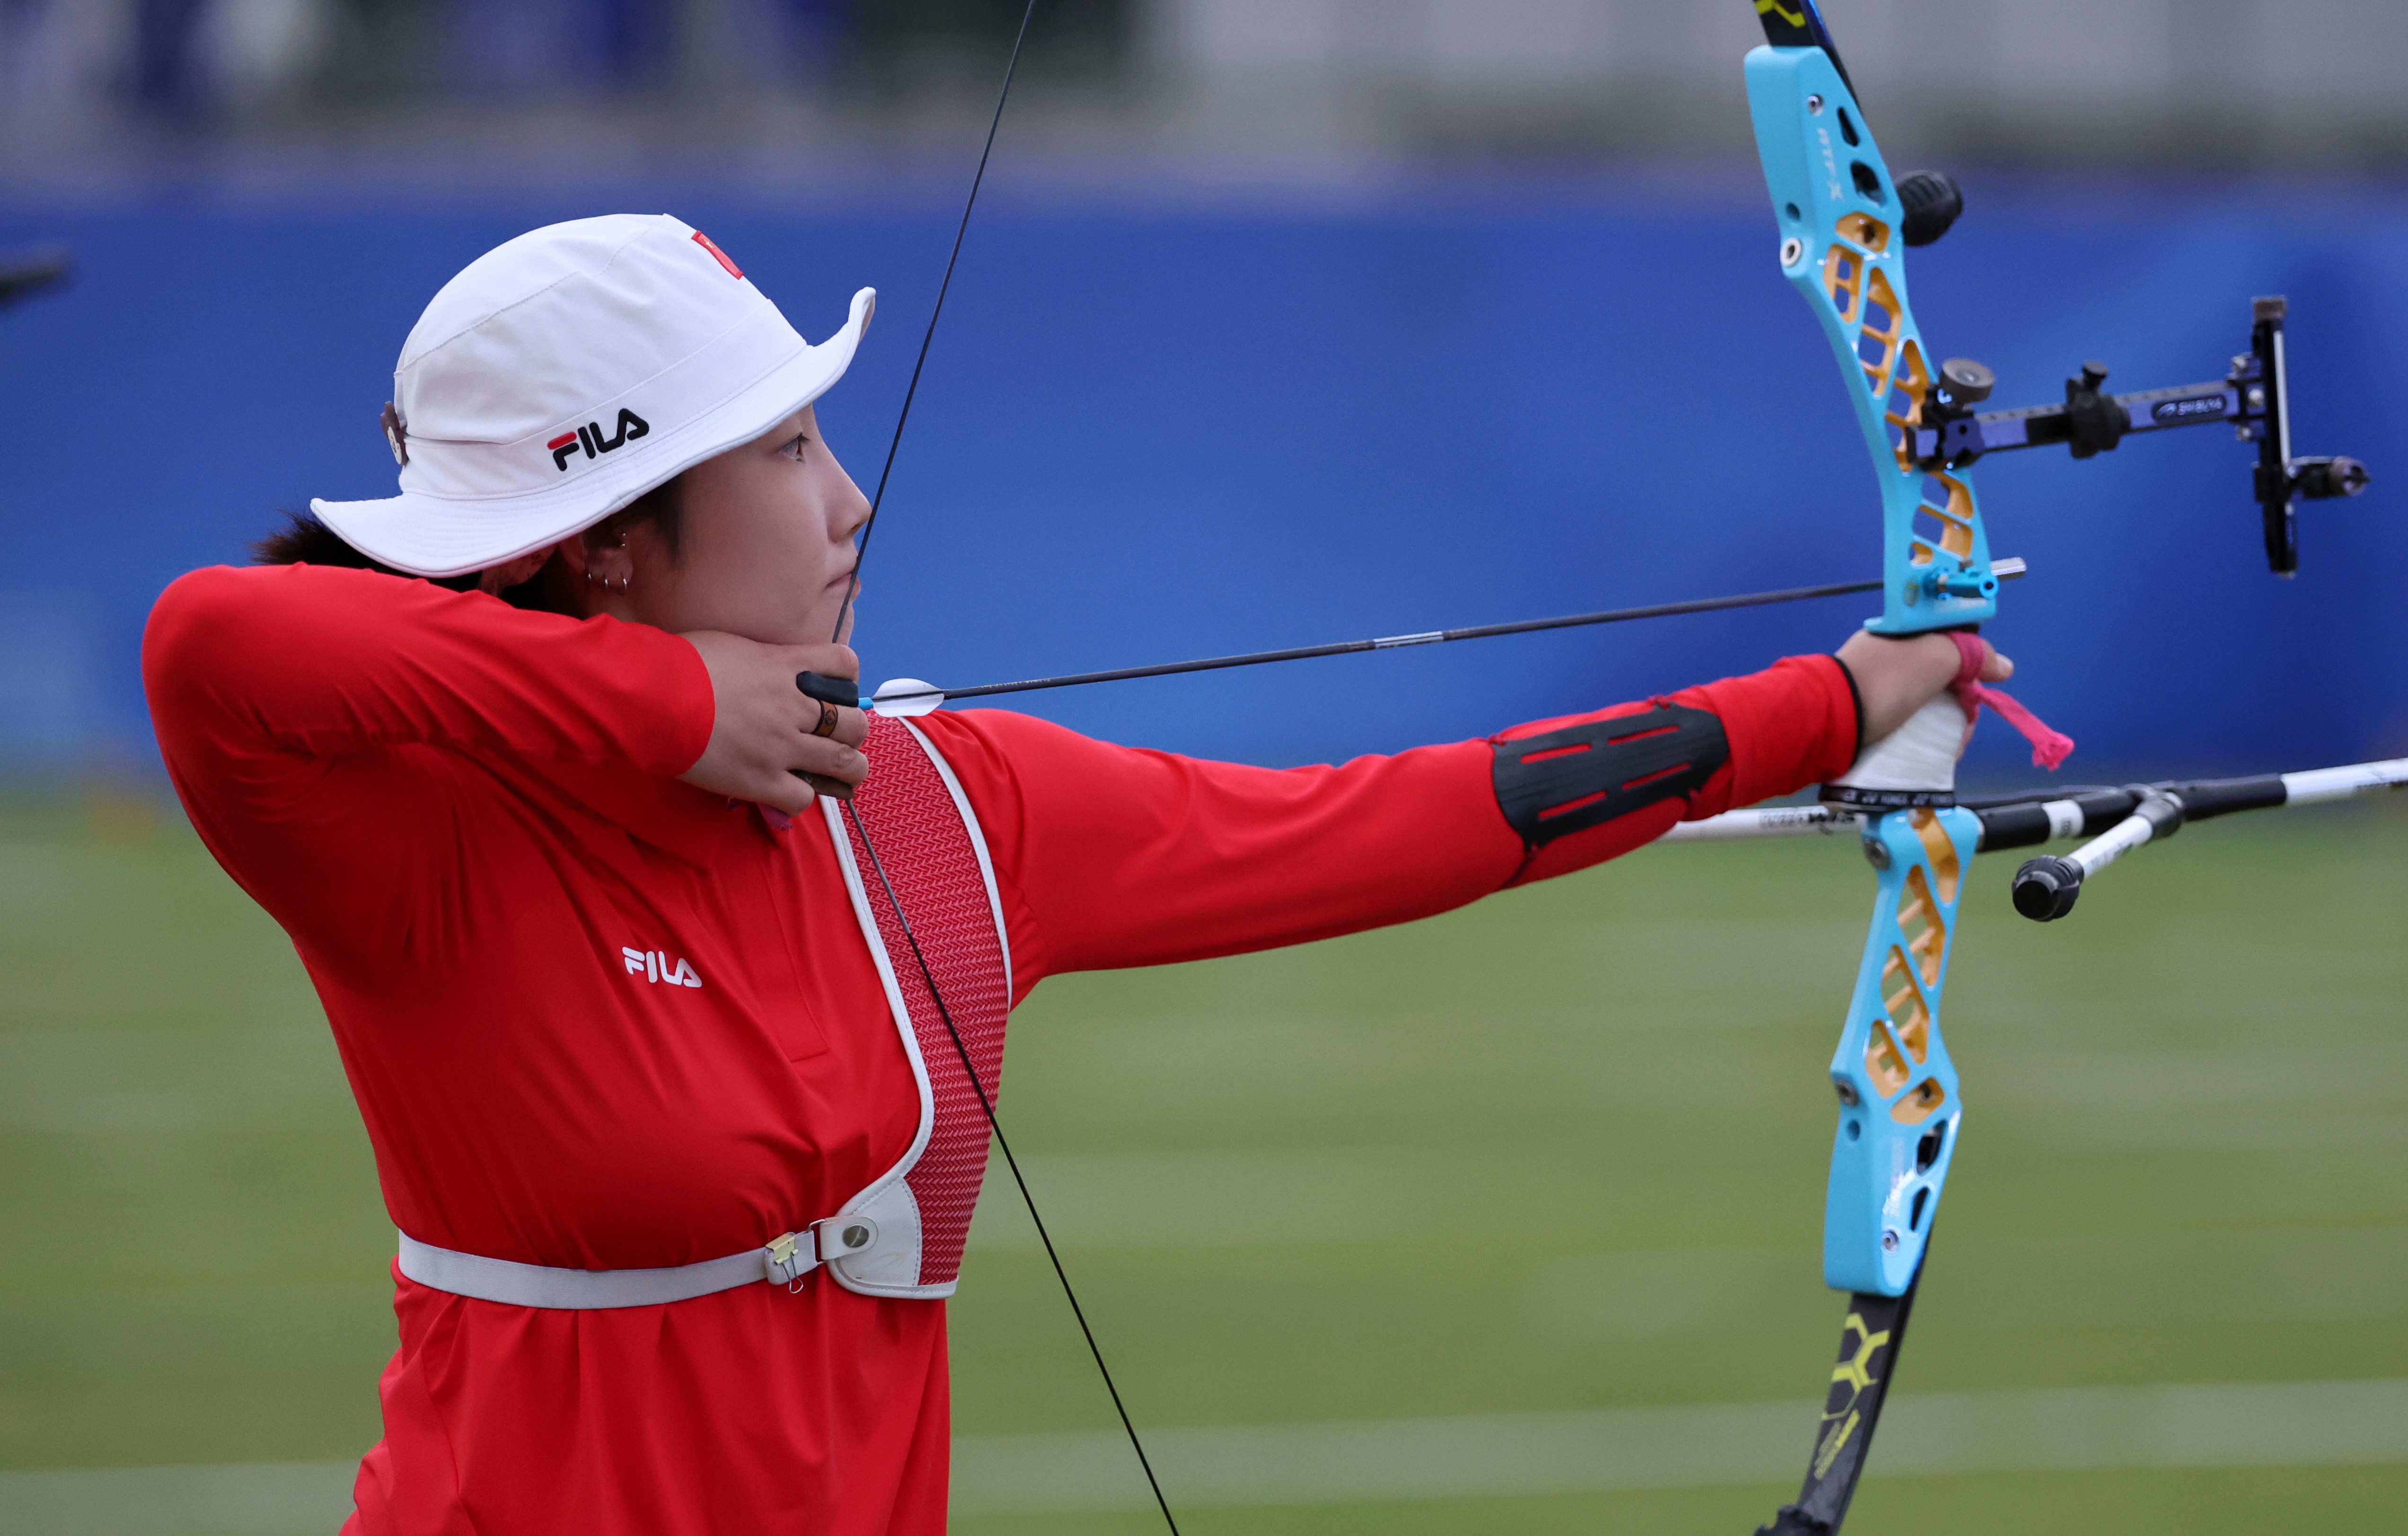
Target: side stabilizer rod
x=2046 y=889
x=2116 y=821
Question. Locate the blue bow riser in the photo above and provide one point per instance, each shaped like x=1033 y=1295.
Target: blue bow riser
x=1841 y=248
x=1899 y=1109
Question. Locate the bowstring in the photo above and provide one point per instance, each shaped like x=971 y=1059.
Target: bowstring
x=861 y=827
x=911 y=390
x=961 y=1048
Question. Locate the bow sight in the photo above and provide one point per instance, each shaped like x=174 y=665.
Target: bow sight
x=2255 y=398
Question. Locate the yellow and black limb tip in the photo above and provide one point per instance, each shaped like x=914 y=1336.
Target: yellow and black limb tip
x=1868 y=1345
x=1797 y=23
x=1788 y=24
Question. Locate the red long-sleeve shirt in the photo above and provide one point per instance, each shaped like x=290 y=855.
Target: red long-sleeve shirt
x=462 y=813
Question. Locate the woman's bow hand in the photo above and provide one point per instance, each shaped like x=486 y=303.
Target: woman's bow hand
x=1897 y=677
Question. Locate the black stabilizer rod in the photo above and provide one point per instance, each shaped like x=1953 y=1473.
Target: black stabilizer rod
x=2026 y=820
x=2120 y=820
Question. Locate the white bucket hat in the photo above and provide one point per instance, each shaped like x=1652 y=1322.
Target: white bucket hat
x=562 y=375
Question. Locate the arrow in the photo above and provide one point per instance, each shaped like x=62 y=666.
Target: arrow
x=911 y=697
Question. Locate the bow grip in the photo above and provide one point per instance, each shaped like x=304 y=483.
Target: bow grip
x=1913 y=765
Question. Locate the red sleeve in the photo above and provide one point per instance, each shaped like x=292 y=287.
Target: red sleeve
x=320 y=723
x=1111 y=856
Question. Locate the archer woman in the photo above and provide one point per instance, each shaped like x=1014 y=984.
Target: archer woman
x=664 y=1054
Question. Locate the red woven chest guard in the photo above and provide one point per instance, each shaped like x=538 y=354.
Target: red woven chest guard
x=930 y=851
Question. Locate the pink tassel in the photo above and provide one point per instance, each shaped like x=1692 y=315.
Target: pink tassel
x=2050 y=748
x=772 y=817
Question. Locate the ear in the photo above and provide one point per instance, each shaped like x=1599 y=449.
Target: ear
x=510 y=573
x=574 y=555
x=601 y=557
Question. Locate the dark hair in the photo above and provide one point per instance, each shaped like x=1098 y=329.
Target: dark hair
x=306 y=541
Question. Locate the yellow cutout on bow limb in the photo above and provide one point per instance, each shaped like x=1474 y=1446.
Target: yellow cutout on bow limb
x=1911 y=971
x=1909 y=386
x=1865 y=231
x=1883 y=1065
x=1938 y=848
x=1919 y=920
x=1917 y=1107
x=1944 y=519
x=1879 y=330
x=1909 y=1015
x=1843 y=280
x=1903 y=1030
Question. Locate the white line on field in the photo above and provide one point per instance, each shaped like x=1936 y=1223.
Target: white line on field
x=262 y=1499
x=2295 y=1424
x=1477 y=1456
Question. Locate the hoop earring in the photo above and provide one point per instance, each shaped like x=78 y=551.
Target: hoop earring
x=623 y=583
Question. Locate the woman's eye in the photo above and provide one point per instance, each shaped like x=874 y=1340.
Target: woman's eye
x=794 y=449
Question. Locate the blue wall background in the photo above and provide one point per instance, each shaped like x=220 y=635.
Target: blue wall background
x=1156 y=426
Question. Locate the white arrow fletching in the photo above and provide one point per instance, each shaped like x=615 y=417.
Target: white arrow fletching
x=907 y=696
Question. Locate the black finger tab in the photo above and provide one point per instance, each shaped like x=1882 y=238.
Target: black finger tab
x=828 y=690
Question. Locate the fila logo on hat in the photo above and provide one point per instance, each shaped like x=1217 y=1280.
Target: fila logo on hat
x=504 y=386
x=588 y=436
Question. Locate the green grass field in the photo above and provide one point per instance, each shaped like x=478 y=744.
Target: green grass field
x=1552 y=1166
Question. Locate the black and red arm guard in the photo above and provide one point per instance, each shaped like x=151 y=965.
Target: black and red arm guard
x=1591 y=772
